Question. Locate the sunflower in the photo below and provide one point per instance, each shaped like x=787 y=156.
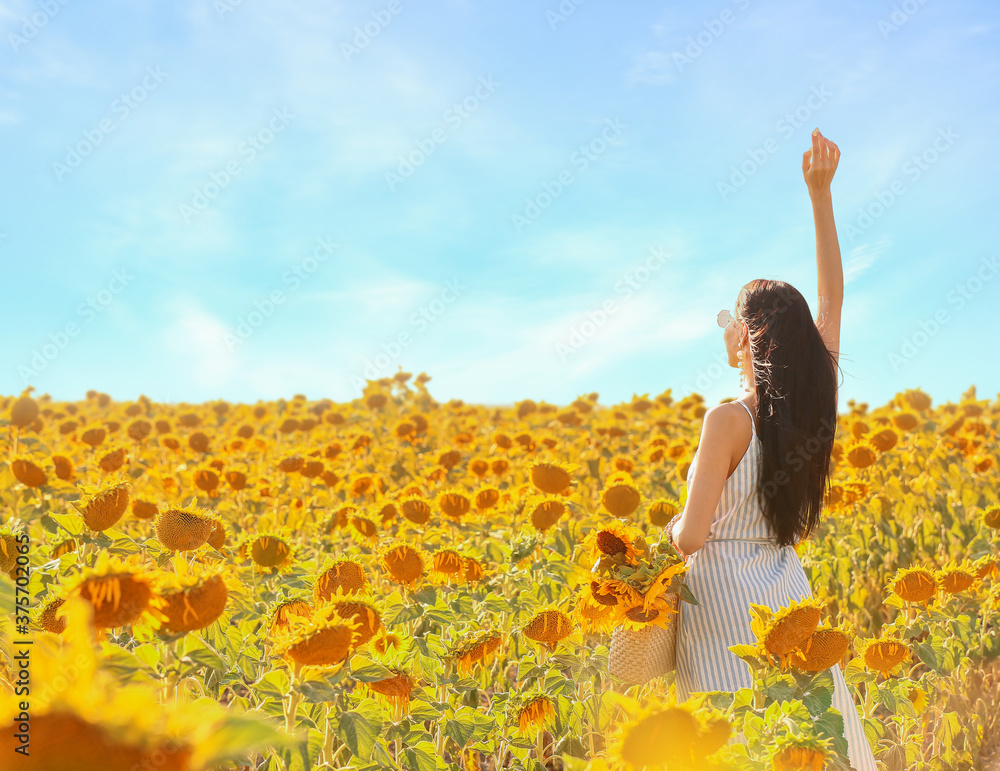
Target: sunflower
x=825 y=647
x=91 y=721
x=184 y=529
x=105 y=508
x=193 y=600
x=477 y=647
x=447 y=562
x=883 y=654
x=395 y=689
x=956 y=577
x=454 y=504
x=806 y=752
x=363 y=612
x=415 y=509
x=403 y=562
x=119 y=591
x=991 y=517
x=620 y=496
x=660 y=612
x=281 y=615
x=913 y=584
x=9 y=551
x=551 y=478
x=544 y=512
x=270 y=551
x=670 y=735
x=593 y=616
x=661 y=511
x=781 y=632
x=326 y=639
x=487 y=498
x=548 y=627
x=27 y=473
x=343 y=576
x=527 y=711
x=617 y=540
x=861 y=454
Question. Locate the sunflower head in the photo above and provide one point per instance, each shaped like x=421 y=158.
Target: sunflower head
x=395 y=689
x=991 y=517
x=956 y=577
x=103 y=509
x=800 y=751
x=184 y=529
x=861 y=454
x=270 y=551
x=781 y=632
x=119 y=591
x=914 y=584
x=661 y=511
x=283 y=612
x=344 y=576
x=453 y=503
x=548 y=626
x=620 y=497
x=544 y=512
x=404 y=562
x=825 y=647
x=193 y=599
x=617 y=541
x=529 y=711
x=326 y=639
x=552 y=478
x=476 y=648
x=884 y=654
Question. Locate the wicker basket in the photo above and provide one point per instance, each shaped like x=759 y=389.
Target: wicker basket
x=639 y=656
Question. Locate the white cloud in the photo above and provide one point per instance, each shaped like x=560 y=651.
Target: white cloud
x=862 y=257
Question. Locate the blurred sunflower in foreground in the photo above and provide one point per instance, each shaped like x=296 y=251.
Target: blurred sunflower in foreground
x=82 y=718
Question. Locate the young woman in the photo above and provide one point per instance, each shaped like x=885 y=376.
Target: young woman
x=757 y=483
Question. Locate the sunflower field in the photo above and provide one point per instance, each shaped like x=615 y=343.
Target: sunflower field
x=400 y=583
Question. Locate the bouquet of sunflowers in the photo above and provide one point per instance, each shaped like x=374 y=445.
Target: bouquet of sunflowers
x=634 y=586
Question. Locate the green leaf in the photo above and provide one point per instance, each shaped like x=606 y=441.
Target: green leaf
x=421 y=757
x=359 y=728
x=303 y=755
x=71 y=523
x=687 y=596
x=207 y=658
x=370 y=672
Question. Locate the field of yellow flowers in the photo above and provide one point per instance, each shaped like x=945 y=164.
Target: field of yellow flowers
x=400 y=583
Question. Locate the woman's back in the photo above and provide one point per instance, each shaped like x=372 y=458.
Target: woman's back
x=739 y=565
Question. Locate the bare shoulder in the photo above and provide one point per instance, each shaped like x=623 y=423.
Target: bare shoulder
x=723 y=420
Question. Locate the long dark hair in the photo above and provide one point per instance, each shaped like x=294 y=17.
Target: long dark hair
x=796 y=387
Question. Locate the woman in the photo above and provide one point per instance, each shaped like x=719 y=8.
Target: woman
x=756 y=485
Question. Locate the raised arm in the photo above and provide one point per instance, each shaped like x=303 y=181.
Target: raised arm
x=819 y=164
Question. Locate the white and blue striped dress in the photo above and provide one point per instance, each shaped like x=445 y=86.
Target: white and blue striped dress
x=738 y=565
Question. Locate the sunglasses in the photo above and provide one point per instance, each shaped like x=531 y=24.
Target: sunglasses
x=724 y=318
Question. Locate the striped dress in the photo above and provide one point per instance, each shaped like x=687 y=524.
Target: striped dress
x=738 y=565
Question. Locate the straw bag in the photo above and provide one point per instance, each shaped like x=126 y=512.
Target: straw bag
x=639 y=656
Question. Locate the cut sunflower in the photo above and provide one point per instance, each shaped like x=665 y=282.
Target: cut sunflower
x=617 y=541
x=783 y=632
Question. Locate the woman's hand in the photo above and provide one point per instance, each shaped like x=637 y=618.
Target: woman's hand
x=819 y=163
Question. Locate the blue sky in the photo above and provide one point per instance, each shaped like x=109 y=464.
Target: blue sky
x=252 y=199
